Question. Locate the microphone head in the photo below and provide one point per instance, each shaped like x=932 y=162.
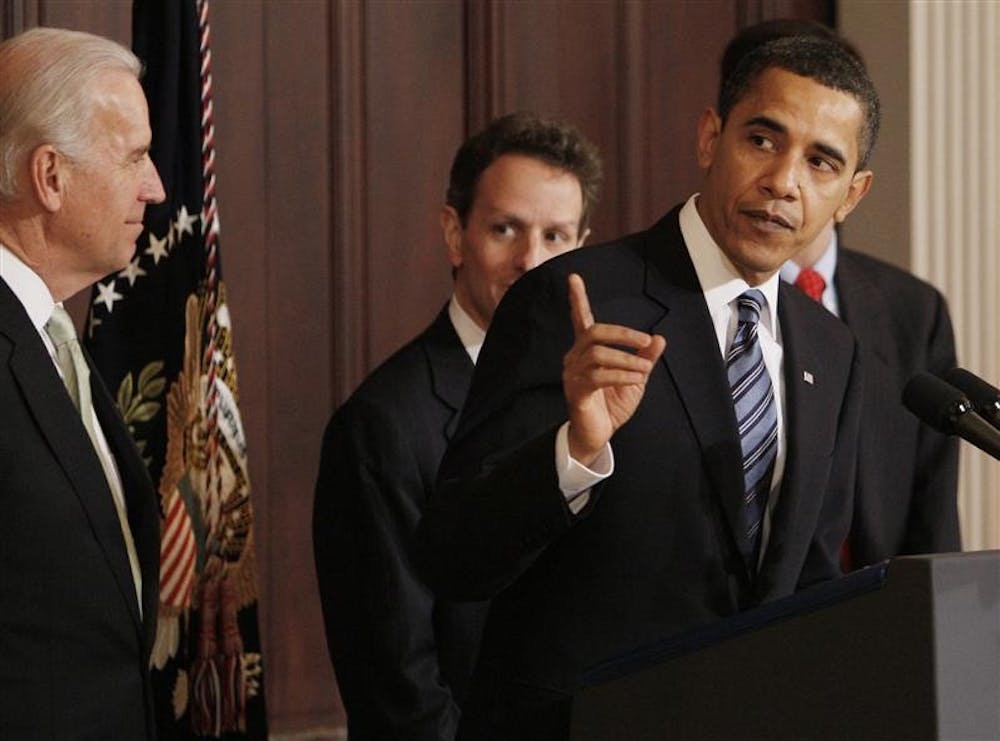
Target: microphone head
x=936 y=402
x=984 y=396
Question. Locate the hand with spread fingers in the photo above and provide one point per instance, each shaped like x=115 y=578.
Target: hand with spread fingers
x=603 y=384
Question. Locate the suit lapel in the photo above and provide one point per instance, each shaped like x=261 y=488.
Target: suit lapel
x=450 y=367
x=46 y=397
x=805 y=401
x=695 y=365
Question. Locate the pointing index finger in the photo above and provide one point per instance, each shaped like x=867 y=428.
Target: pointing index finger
x=579 y=305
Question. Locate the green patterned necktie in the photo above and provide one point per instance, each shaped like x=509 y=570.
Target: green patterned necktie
x=76 y=376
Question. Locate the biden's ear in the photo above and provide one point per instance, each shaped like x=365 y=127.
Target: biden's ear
x=48 y=176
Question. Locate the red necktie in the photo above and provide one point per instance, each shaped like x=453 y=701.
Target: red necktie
x=810 y=283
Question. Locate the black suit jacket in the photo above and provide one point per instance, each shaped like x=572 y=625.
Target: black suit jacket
x=403 y=659
x=907 y=473
x=654 y=551
x=74 y=653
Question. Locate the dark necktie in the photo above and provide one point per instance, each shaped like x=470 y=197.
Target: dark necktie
x=811 y=283
x=756 y=417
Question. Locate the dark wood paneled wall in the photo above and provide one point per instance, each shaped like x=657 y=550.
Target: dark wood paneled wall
x=336 y=125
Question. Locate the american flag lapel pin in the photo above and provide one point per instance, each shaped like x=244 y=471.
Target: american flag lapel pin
x=807 y=377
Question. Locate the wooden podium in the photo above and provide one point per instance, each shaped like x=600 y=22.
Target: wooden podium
x=907 y=650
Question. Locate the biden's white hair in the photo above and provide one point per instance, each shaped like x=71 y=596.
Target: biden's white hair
x=48 y=94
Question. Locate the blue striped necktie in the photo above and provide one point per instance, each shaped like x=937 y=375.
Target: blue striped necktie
x=756 y=416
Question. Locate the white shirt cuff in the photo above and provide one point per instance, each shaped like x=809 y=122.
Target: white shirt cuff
x=576 y=479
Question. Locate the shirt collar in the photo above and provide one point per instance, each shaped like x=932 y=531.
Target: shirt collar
x=470 y=333
x=29 y=288
x=826 y=265
x=719 y=279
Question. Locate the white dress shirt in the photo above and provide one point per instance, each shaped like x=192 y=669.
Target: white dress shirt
x=469 y=333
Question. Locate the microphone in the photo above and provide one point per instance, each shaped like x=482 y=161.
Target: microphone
x=984 y=396
x=946 y=409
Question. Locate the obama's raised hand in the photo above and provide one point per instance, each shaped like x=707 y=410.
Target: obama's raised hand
x=603 y=383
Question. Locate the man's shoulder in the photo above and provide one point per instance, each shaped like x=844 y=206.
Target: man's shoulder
x=872 y=289
x=425 y=379
x=14 y=320
x=598 y=256
x=896 y=314
x=896 y=284
x=615 y=265
x=17 y=331
x=384 y=402
x=405 y=376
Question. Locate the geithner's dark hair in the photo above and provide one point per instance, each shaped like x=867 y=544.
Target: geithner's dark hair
x=554 y=142
x=826 y=61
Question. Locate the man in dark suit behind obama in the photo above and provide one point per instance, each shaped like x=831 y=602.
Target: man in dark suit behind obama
x=520 y=191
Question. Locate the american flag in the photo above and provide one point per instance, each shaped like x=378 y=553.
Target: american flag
x=161 y=335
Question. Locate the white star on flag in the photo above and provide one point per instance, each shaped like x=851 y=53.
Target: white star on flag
x=157 y=248
x=132 y=271
x=108 y=295
x=185 y=222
